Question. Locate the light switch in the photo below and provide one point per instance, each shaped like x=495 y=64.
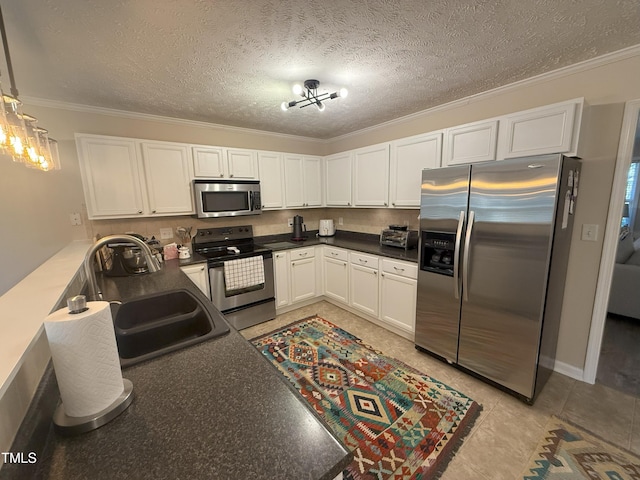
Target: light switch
x=166 y=233
x=589 y=232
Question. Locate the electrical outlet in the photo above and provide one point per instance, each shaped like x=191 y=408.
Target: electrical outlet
x=590 y=232
x=290 y=222
x=75 y=219
x=166 y=233
x=340 y=221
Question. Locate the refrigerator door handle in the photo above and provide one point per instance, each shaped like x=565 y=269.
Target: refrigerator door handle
x=465 y=262
x=456 y=257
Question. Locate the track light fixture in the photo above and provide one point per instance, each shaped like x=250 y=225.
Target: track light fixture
x=310 y=96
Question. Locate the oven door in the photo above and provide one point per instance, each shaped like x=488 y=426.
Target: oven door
x=225 y=299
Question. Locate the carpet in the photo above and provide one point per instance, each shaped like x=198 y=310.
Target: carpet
x=398 y=422
x=567 y=452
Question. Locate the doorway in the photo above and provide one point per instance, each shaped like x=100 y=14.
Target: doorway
x=628 y=139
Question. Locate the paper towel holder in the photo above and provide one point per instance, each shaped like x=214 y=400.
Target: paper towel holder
x=67 y=425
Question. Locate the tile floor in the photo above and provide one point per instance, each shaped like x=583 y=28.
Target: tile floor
x=507 y=431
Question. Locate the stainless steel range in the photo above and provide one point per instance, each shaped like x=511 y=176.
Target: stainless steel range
x=240 y=274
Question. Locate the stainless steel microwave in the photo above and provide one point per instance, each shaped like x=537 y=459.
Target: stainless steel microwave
x=226 y=198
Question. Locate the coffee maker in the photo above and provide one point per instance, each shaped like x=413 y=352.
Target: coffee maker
x=298 y=228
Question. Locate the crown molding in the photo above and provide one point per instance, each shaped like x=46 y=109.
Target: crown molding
x=75 y=107
x=579 y=67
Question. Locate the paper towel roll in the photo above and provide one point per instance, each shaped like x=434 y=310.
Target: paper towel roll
x=85 y=358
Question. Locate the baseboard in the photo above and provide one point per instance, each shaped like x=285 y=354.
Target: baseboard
x=295 y=306
x=569 y=370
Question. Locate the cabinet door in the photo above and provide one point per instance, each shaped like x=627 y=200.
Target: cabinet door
x=371 y=176
x=241 y=164
x=336 y=279
x=168 y=179
x=539 y=131
x=208 y=162
x=293 y=181
x=363 y=291
x=409 y=157
x=199 y=275
x=312 y=174
x=338 y=180
x=111 y=177
x=398 y=301
x=303 y=279
x=281 y=274
x=471 y=143
x=271 y=180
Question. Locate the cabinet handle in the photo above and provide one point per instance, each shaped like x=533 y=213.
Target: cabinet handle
x=393 y=203
x=304 y=254
x=375 y=272
x=362 y=261
x=382 y=274
x=139 y=211
x=231 y=175
x=385 y=204
x=398 y=269
x=334 y=254
x=221 y=175
x=153 y=211
x=201 y=269
x=348 y=204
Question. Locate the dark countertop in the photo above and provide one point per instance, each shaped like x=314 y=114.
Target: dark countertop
x=360 y=242
x=213 y=410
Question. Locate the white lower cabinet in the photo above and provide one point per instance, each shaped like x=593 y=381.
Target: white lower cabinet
x=363 y=283
x=199 y=275
x=281 y=265
x=398 y=290
x=303 y=279
x=336 y=274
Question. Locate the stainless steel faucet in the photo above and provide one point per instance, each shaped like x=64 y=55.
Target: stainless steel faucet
x=152 y=262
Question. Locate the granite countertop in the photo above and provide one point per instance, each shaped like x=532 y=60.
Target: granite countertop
x=361 y=242
x=212 y=410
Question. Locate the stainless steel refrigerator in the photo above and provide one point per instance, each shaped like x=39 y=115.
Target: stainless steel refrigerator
x=493 y=253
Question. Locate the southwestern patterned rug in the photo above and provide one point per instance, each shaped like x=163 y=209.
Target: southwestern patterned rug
x=399 y=422
x=568 y=452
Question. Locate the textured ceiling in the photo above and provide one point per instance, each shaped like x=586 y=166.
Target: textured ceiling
x=233 y=62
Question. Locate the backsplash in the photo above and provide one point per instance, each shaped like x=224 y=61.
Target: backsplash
x=363 y=220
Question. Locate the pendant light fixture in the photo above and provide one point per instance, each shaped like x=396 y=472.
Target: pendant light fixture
x=20 y=136
x=310 y=96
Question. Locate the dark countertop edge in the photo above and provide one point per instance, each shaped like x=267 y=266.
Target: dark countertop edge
x=362 y=242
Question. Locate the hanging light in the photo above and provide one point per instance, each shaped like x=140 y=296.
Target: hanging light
x=20 y=136
x=310 y=96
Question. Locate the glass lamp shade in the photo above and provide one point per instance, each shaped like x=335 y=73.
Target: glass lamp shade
x=44 y=153
x=14 y=135
x=32 y=142
x=55 y=155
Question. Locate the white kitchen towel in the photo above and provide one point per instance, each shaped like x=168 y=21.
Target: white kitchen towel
x=243 y=273
x=85 y=358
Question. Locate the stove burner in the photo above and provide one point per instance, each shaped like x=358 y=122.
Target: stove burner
x=214 y=243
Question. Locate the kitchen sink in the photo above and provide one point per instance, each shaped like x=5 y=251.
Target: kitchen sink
x=150 y=326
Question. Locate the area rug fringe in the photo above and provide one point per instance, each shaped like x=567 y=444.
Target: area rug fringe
x=330 y=401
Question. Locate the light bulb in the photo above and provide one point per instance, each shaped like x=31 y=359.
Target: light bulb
x=344 y=92
x=297 y=89
x=284 y=106
x=320 y=105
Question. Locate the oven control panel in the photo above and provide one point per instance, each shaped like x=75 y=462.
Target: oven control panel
x=221 y=234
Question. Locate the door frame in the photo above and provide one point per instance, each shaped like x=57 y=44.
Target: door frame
x=611 y=236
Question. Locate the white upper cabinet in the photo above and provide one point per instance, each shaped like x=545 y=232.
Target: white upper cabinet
x=303 y=181
x=111 y=176
x=338 y=180
x=471 y=143
x=312 y=175
x=549 y=129
x=218 y=162
x=208 y=162
x=371 y=176
x=409 y=156
x=271 y=180
x=168 y=178
x=241 y=164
